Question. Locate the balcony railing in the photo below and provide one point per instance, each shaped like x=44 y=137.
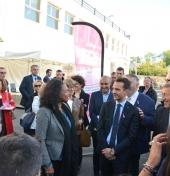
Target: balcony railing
x=102 y=17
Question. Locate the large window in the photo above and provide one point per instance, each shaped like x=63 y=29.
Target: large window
x=52 y=16
x=68 y=28
x=107 y=41
x=113 y=44
x=32 y=10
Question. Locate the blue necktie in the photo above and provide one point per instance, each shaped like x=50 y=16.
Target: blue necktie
x=115 y=126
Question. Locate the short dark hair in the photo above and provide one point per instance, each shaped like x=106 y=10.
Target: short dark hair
x=51 y=95
x=20 y=155
x=2 y=68
x=113 y=73
x=34 y=66
x=79 y=79
x=48 y=70
x=59 y=71
x=4 y=85
x=120 y=69
x=125 y=81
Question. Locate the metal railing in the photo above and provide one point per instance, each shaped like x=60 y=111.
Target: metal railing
x=102 y=17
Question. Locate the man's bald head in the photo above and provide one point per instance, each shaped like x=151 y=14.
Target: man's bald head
x=105 y=83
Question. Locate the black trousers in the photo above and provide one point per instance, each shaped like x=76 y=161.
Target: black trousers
x=80 y=151
x=115 y=167
x=96 y=156
x=30 y=132
x=134 y=165
x=57 y=165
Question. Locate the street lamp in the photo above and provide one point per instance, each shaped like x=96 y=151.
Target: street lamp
x=1 y=40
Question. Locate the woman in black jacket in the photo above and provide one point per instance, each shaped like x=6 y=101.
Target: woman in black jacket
x=148 y=89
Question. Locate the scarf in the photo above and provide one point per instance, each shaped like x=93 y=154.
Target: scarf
x=70 y=147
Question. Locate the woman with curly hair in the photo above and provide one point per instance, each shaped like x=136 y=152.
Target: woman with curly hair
x=56 y=129
x=80 y=94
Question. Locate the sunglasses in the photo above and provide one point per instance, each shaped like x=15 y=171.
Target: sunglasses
x=37 y=86
x=2 y=73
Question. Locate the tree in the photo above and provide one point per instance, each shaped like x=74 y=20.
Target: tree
x=166 y=57
x=135 y=61
x=151 y=56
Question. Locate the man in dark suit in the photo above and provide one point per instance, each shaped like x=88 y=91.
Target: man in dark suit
x=162 y=117
x=117 y=128
x=113 y=79
x=48 y=76
x=26 y=86
x=146 y=107
x=96 y=101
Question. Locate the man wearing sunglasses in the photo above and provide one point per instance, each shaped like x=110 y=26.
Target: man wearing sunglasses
x=26 y=87
x=3 y=74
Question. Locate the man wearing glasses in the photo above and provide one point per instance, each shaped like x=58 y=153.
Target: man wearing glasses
x=26 y=87
x=3 y=74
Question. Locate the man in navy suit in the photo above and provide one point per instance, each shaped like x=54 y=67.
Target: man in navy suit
x=96 y=101
x=26 y=86
x=48 y=76
x=116 y=130
x=146 y=107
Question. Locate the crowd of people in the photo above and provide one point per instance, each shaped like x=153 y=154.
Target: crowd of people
x=122 y=116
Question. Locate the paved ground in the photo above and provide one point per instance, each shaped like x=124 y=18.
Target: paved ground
x=87 y=166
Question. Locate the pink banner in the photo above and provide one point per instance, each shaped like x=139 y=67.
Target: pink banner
x=88 y=55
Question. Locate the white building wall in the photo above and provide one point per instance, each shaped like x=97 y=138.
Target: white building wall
x=23 y=35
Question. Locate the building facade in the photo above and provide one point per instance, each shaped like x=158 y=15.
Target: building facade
x=45 y=26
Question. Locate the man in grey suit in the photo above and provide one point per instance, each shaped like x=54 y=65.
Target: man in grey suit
x=26 y=87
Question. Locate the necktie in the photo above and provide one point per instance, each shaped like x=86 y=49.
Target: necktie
x=115 y=126
x=35 y=78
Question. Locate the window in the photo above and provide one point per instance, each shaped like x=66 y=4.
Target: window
x=32 y=10
x=68 y=28
x=107 y=41
x=118 y=43
x=52 y=16
x=126 y=50
x=122 y=48
x=113 y=44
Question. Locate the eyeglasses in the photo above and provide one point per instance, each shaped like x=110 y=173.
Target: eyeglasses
x=167 y=80
x=3 y=73
x=71 y=87
x=37 y=85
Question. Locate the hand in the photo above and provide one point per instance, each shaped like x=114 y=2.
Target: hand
x=141 y=114
x=156 y=149
x=107 y=153
x=0 y=127
x=50 y=171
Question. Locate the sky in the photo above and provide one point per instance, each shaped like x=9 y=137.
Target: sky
x=146 y=21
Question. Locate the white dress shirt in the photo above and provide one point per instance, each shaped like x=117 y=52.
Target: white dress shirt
x=133 y=98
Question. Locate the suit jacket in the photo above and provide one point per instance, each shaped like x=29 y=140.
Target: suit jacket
x=96 y=102
x=26 y=89
x=127 y=130
x=46 y=79
x=141 y=142
x=85 y=98
x=161 y=123
x=51 y=134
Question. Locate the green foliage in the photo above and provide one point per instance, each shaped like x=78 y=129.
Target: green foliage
x=166 y=57
x=153 y=69
x=131 y=71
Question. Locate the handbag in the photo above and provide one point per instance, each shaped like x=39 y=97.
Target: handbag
x=85 y=139
x=27 y=118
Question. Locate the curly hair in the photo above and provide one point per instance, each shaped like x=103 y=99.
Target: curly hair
x=51 y=94
x=79 y=79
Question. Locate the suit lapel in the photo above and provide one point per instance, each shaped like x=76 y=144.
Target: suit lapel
x=112 y=110
x=101 y=97
x=110 y=97
x=165 y=119
x=58 y=124
x=138 y=100
x=124 y=113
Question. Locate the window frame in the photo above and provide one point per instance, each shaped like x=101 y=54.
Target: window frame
x=118 y=46
x=107 y=41
x=113 y=44
x=67 y=13
x=34 y=9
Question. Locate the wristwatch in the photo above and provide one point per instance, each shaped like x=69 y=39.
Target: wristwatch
x=112 y=152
